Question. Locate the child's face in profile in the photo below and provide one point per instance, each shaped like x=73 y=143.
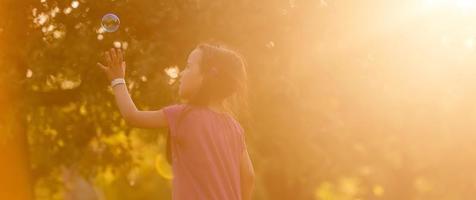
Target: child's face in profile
x=191 y=77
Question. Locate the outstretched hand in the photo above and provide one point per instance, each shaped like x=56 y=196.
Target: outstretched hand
x=115 y=65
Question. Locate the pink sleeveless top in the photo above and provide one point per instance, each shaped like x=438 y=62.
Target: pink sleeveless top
x=205 y=149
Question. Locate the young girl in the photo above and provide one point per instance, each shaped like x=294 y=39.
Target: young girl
x=208 y=149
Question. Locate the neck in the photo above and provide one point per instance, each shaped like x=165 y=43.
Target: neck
x=216 y=106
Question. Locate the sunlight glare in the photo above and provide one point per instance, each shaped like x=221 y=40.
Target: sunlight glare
x=461 y=5
x=117 y=44
x=29 y=73
x=172 y=71
x=469 y=43
x=445 y=41
x=75 y=4
x=67 y=10
x=465 y=4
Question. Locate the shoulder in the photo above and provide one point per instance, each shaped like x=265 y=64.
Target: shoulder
x=237 y=124
x=174 y=109
x=176 y=106
x=172 y=114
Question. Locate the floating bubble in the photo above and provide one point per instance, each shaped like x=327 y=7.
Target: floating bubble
x=110 y=22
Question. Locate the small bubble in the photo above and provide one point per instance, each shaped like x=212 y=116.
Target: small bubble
x=110 y=22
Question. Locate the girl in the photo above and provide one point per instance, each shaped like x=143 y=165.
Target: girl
x=207 y=145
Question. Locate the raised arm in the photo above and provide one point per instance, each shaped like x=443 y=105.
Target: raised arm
x=115 y=68
x=134 y=117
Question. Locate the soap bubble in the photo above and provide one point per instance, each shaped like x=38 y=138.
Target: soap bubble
x=110 y=22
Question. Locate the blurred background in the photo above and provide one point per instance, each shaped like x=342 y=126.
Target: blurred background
x=369 y=99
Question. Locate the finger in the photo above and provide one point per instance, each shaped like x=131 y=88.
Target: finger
x=113 y=56
x=107 y=57
x=119 y=56
x=102 y=66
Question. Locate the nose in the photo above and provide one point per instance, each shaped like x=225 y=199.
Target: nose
x=180 y=74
